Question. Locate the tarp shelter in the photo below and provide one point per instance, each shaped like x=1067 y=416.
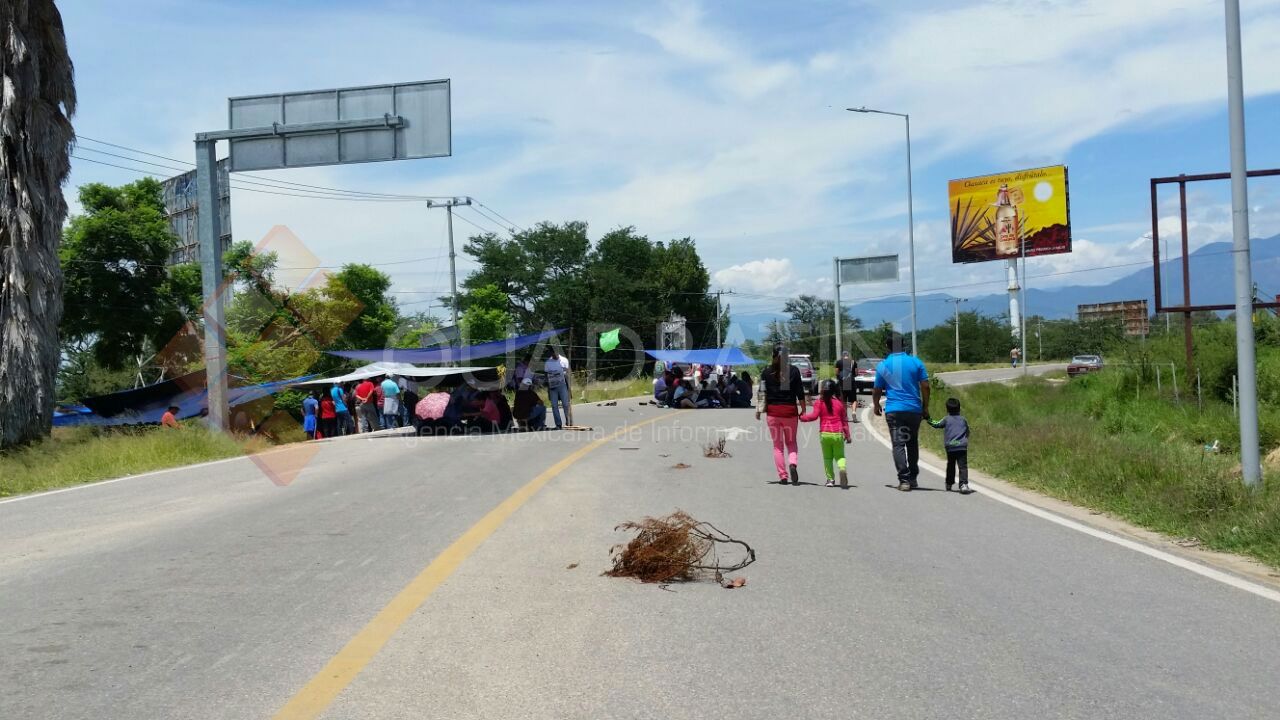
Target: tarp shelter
x=437 y=356
x=146 y=404
x=487 y=374
x=710 y=356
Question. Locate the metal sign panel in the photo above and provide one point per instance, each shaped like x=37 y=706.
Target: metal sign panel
x=181 y=210
x=876 y=268
x=423 y=130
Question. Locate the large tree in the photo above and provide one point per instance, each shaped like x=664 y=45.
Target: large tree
x=121 y=297
x=485 y=317
x=36 y=105
x=812 y=327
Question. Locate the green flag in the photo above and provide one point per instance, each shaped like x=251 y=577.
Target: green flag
x=609 y=340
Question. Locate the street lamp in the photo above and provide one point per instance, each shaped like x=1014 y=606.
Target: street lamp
x=911 y=226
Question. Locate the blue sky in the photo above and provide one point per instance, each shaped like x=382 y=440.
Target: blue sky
x=720 y=121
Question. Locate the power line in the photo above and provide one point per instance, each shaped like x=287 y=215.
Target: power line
x=272 y=181
x=510 y=227
x=313 y=196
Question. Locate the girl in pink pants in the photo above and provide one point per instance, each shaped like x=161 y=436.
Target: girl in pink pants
x=781 y=399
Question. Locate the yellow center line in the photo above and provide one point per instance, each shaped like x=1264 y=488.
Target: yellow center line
x=325 y=686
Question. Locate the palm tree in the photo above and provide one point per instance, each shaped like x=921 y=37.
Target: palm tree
x=36 y=104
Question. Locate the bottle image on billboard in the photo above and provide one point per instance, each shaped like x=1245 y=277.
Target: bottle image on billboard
x=1007 y=225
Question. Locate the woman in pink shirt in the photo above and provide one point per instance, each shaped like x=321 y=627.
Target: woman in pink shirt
x=834 y=431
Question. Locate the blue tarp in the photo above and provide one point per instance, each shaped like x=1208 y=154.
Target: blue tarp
x=466 y=353
x=710 y=356
x=141 y=410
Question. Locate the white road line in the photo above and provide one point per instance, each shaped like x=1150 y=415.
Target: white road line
x=181 y=468
x=100 y=483
x=1185 y=564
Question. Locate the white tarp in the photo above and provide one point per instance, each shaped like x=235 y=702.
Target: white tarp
x=395 y=368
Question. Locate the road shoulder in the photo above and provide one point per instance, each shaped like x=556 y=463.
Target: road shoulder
x=1238 y=565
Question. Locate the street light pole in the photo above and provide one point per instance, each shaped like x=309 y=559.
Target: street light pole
x=911 y=225
x=1250 y=455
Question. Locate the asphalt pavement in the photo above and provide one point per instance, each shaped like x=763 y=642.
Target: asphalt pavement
x=460 y=578
x=958 y=378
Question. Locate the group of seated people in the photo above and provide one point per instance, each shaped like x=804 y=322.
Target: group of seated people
x=676 y=390
x=469 y=409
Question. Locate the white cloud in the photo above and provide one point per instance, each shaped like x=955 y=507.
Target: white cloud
x=677 y=120
x=760 y=276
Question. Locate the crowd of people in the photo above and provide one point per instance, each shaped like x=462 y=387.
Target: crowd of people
x=375 y=403
x=901 y=382
x=702 y=387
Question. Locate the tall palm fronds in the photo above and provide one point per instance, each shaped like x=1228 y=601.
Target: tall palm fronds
x=37 y=100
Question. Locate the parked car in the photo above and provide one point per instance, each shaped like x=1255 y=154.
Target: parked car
x=808 y=375
x=864 y=375
x=1082 y=364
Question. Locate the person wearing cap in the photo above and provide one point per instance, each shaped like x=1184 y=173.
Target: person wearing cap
x=529 y=411
x=782 y=400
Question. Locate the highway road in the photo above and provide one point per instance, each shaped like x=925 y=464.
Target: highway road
x=460 y=578
x=972 y=377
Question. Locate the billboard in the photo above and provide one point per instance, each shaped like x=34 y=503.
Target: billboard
x=181 y=210
x=992 y=216
x=879 y=268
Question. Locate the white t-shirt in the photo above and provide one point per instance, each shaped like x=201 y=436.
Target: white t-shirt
x=556 y=371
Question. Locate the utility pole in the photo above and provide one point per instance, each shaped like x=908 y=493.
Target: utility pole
x=1250 y=455
x=719 y=335
x=956 y=302
x=448 y=206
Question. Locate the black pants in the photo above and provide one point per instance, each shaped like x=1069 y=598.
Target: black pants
x=958 y=460
x=904 y=431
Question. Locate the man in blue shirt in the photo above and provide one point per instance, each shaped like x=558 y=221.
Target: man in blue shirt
x=904 y=382
x=345 y=426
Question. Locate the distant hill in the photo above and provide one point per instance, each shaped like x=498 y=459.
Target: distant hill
x=1212 y=281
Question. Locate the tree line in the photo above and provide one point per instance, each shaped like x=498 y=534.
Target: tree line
x=133 y=318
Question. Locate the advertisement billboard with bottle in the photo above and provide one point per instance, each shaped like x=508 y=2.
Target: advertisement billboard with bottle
x=993 y=216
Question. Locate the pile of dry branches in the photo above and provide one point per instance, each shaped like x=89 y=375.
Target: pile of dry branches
x=674 y=548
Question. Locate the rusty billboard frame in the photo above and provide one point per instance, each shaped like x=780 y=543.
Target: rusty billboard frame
x=1187 y=308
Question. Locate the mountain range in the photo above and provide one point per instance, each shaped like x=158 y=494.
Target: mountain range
x=1212 y=282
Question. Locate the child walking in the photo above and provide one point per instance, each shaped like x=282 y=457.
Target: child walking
x=955 y=438
x=834 y=431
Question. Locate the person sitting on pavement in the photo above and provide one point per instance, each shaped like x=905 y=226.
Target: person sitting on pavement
x=529 y=411
x=683 y=396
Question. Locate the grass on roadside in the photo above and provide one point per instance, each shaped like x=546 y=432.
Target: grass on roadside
x=74 y=456
x=602 y=390
x=1098 y=442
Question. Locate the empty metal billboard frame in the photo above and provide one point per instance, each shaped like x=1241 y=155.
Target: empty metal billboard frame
x=1187 y=308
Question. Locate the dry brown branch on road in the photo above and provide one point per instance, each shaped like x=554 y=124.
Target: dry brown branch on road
x=674 y=548
x=716 y=449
